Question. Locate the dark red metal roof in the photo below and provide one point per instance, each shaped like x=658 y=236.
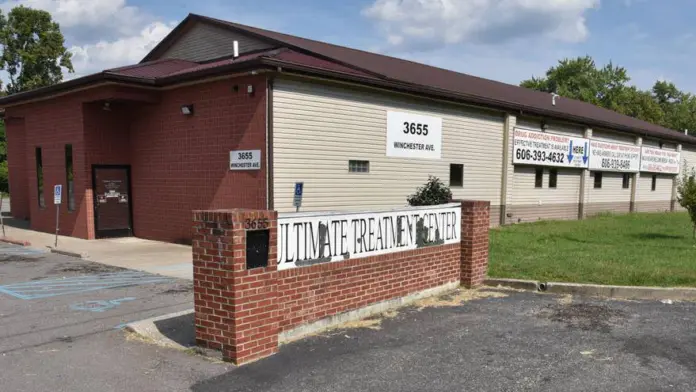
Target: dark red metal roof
x=153 y=69
x=220 y=63
x=458 y=83
x=314 y=57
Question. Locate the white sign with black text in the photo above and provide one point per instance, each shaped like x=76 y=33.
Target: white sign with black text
x=413 y=135
x=605 y=156
x=57 y=194
x=308 y=239
x=548 y=149
x=655 y=160
x=245 y=160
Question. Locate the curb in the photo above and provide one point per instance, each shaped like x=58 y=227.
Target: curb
x=148 y=330
x=598 y=290
x=519 y=284
x=82 y=255
x=14 y=241
x=628 y=292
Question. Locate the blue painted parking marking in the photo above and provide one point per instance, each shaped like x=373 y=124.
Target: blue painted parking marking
x=100 y=306
x=80 y=284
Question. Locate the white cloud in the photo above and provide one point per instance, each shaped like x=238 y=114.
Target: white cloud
x=421 y=24
x=91 y=58
x=104 y=14
x=101 y=34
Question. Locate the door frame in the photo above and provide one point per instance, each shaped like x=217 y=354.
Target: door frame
x=112 y=232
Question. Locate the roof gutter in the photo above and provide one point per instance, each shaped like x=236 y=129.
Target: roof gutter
x=73 y=84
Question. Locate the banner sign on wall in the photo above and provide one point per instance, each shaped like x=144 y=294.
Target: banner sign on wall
x=605 y=156
x=413 y=135
x=308 y=239
x=548 y=149
x=655 y=160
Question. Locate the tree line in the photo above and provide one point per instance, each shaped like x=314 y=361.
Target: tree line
x=608 y=87
x=33 y=55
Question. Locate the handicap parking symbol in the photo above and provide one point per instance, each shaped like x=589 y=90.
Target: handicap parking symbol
x=100 y=305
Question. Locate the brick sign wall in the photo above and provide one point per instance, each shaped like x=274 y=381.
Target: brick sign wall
x=242 y=311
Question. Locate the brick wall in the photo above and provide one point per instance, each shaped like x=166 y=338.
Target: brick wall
x=241 y=312
x=312 y=293
x=51 y=125
x=236 y=309
x=107 y=137
x=17 y=166
x=474 y=245
x=178 y=163
x=181 y=163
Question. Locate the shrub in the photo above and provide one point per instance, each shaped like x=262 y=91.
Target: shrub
x=686 y=193
x=4 y=184
x=434 y=192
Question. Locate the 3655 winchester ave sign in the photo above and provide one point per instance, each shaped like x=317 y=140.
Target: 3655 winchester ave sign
x=306 y=239
x=412 y=135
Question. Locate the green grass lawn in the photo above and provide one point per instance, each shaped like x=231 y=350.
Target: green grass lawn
x=636 y=249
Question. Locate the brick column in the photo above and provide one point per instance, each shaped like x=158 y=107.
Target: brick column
x=236 y=308
x=474 y=247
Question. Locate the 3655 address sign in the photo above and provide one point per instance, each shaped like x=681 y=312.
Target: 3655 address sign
x=412 y=135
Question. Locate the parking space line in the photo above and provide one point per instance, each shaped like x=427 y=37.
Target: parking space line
x=79 y=284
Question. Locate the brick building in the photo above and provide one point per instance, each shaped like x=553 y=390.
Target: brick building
x=138 y=147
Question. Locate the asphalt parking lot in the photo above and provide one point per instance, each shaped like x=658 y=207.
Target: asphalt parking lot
x=520 y=342
x=61 y=326
x=61 y=330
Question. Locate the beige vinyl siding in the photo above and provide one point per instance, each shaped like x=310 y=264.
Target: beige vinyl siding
x=658 y=200
x=206 y=42
x=656 y=144
x=689 y=155
x=318 y=128
x=528 y=203
x=525 y=202
x=551 y=127
x=613 y=137
x=610 y=197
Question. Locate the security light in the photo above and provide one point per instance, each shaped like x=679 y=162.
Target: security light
x=187 y=110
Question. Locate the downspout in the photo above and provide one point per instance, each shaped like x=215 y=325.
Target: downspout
x=269 y=143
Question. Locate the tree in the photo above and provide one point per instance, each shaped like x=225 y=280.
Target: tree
x=608 y=87
x=34 y=51
x=686 y=193
x=434 y=192
x=33 y=55
x=581 y=79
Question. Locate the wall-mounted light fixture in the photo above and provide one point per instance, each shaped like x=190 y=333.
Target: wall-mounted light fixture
x=250 y=89
x=187 y=110
x=544 y=126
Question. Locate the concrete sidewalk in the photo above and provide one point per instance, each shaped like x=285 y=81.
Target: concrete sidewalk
x=133 y=253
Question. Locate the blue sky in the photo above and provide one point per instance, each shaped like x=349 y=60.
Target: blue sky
x=506 y=40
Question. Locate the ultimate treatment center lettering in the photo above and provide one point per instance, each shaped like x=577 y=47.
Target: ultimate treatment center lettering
x=319 y=239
